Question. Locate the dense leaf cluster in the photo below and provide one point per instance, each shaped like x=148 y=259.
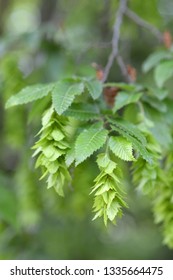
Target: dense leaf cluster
x=80 y=124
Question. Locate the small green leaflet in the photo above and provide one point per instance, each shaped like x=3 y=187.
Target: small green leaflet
x=154 y=59
x=94 y=87
x=121 y=147
x=82 y=112
x=89 y=141
x=125 y=98
x=30 y=93
x=163 y=72
x=64 y=93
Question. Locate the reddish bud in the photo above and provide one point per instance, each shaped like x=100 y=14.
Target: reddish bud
x=99 y=71
x=132 y=72
x=109 y=95
x=167 y=39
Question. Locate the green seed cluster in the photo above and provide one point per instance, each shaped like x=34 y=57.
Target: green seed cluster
x=163 y=212
x=163 y=203
x=52 y=148
x=146 y=177
x=149 y=177
x=108 y=194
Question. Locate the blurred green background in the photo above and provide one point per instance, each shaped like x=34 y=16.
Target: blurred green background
x=42 y=41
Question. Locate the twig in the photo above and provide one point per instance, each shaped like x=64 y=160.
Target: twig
x=123 y=69
x=144 y=24
x=116 y=37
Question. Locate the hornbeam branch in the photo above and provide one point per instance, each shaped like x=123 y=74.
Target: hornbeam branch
x=116 y=36
x=144 y=24
x=123 y=68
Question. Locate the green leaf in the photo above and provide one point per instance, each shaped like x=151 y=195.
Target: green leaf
x=121 y=148
x=29 y=94
x=154 y=59
x=94 y=88
x=135 y=142
x=64 y=93
x=163 y=72
x=89 y=141
x=161 y=124
x=82 y=112
x=125 y=98
x=130 y=129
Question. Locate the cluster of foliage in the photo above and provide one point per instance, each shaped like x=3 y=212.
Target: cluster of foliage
x=109 y=133
x=97 y=143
